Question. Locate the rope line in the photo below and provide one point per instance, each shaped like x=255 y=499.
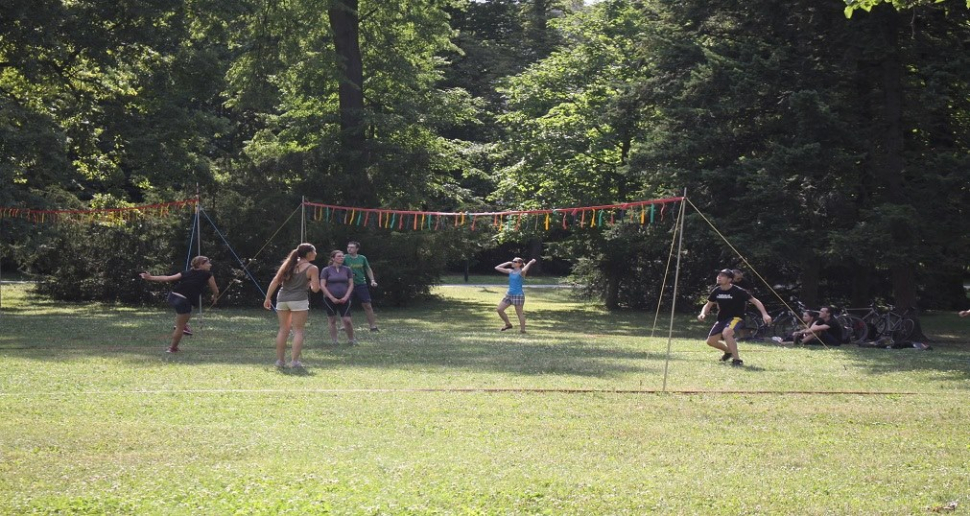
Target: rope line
x=755 y=271
x=231 y=250
x=464 y=390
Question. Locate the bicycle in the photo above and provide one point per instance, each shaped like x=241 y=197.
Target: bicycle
x=888 y=323
x=854 y=329
x=783 y=322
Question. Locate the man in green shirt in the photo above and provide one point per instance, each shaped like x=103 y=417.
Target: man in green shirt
x=363 y=278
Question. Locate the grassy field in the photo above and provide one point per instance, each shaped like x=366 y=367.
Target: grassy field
x=440 y=413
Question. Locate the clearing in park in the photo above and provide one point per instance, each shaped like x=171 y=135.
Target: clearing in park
x=440 y=413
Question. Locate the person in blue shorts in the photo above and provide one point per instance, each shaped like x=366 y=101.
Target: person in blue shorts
x=363 y=279
x=517 y=270
x=186 y=293
x=730 y=300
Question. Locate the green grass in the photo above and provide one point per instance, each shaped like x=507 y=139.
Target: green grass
x=442 y=414
x=498 y=279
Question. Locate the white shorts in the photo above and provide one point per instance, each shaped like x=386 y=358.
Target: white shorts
x=293 y=306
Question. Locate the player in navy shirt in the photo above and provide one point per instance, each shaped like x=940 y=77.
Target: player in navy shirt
x=186 y=293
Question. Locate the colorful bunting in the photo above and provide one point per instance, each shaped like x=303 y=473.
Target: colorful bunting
x=112 y=216
x=598 y=216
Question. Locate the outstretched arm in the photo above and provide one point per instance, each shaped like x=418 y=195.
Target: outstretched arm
x=761 y=308
x=705 y=310
x=214 y=288
x=148 y=277
x=525 y=270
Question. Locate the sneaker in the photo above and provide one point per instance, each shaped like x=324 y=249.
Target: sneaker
x=737 y=362
x=375 y=329
x=172 y=349
x=353 y=342
x=777 y=339
x=186 y=330
x=725 y=357
x=279 y=363
x=296 y=364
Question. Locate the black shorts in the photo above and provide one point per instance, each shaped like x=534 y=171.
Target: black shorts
x=335 y=309
x=182 y=305
x=718 y=328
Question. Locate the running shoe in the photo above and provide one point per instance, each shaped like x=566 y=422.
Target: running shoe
x=172 y=349
x=725 y=357
x=186 y=330
x=737 y=362
x=279 y=363
x=296 y=364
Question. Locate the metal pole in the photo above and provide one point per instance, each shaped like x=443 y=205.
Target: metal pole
x=673 y=304
x=198 y=239
x=303 y=219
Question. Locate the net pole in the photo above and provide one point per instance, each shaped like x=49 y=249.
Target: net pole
x=198 y=241
x=303 y=219
x=673 y=302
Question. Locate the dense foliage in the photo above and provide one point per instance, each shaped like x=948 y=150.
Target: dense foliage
x=830 y=150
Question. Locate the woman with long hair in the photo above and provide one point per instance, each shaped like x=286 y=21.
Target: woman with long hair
x=337 y=282
x=186 y=293
x=293 y=301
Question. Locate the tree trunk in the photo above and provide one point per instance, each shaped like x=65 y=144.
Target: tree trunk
x=354 y=159
x=811 y=274
x=535 y=251
x=891 y=160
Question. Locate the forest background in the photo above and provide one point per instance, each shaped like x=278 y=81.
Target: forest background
x=829 y=143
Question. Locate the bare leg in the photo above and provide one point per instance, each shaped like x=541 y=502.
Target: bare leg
x=520 y=311
x=714 y=341
x=732 y=345
x=369 y=312
x=349 y=328
x=284 y=317
x=299 y=323
x=180 y=321
x=501 y=313
x=332 y=321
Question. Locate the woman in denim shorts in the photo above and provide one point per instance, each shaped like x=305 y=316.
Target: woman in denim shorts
x=294 y=277
x=186 y=293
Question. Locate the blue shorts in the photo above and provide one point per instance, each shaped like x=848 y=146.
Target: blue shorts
x=735 y=324
x=334 y=309
x=361 y=293
x=182 y=305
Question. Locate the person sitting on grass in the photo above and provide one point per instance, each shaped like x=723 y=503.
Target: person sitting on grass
x=808 y=319
x=186 y=293
x=825 y=330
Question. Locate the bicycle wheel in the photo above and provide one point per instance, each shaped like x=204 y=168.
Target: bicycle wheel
x=905 y=331
x=854 y=329
x=889 y=324
x=785 y=325
x=754 y=327
x=872 y=325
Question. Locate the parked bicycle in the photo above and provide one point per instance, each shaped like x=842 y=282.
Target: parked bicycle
x=888 y=323
x=783 y=322
x=854 y=329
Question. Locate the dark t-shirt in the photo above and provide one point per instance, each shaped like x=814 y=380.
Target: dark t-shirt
x=730 y=302
x=835 y=329
x=191 y=284
x=338 y=282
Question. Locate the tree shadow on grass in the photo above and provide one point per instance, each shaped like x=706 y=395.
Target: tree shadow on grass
x=433 y=336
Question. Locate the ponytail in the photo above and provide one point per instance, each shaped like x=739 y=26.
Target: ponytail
x=300 y=253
